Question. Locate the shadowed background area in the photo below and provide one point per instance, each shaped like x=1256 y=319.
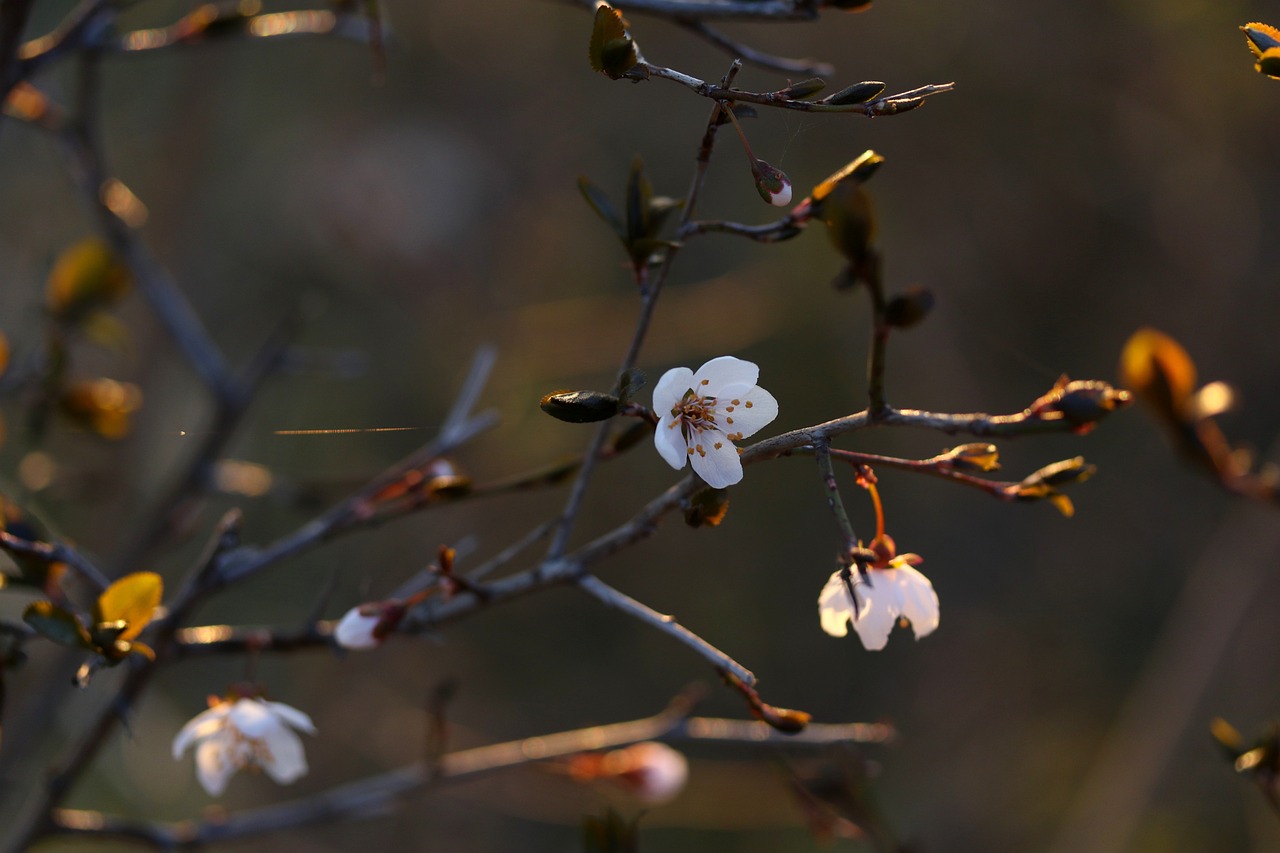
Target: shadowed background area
x=1099 y=167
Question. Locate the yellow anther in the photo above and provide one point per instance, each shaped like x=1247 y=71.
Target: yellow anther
x=748 y=404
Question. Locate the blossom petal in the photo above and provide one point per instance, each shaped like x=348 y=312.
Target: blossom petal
x=881 y=605
x=919 y=601
x=285 y=761
x=670 y=389
x=217 y=760
x=292 y=716
x=722 y=372
x=755 y=409
x=199 y=727
x=252 y=717
x=670 y=442
x=835 y=607
x=718 y=463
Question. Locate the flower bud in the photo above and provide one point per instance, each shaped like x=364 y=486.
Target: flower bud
x=358 y=626
x=86 y=276
x=975 y=456
x=773 y=184
x=651 y=772
x=803 y=89
x=1062 y=473
x=858 y=93
x=580 y=407
x=909 y=308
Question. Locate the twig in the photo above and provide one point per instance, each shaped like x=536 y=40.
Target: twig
x=611 y=597
x=883 y=106
x=836 y=503
x=744 y=10
x=649 y=300
x=810 y=67
x=52 y=552
x=375 y=794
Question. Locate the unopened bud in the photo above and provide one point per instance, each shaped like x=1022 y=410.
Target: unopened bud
x=772 y=183
x=580 y=407
x=1085 y=402
x=707 y=508
x=86 y=276
x=973 y=457
x=858 y=93
x=1063 y=473
x=909 y=308
x=366 y=626
x=804 y=88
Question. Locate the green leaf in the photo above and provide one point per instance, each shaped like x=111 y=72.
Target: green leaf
x=639 y=197
x=56 y=624
x=603 y=207
x=629 y=384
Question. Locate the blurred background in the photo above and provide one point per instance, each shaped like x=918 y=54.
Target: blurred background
x=1101 y=166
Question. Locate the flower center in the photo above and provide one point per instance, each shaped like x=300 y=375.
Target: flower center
x=694 y=413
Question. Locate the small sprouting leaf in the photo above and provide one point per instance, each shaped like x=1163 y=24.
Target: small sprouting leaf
x=580 y=407
x=860 y=168
x=603 y=207
x=1158 y=368
x=639 y=197
x=1269 y=63
x=133 y=600
x=56 y=624
x=1260 y=37
x=909 y=307
x=975 y=456
x=612 y=51
x=629 y=384
x=85 y=276
x=858 y=93
x=1063 y=473
x=707 y=508
x=1062 y=504
x=851 y=225
x=660 y=207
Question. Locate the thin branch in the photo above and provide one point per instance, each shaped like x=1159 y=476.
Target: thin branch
x=809 y=67
x=611 y=597
x=51 y=552
x=743 y=10
x=375 y=794
x=649 y=300
x=823 y=454
x=882 y=106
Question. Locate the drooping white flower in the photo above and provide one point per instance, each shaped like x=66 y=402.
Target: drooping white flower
x=874 y=603
x=702 y=414
x=234 y=734
x=357 y=628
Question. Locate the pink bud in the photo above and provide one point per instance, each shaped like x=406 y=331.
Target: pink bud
x=773 y=184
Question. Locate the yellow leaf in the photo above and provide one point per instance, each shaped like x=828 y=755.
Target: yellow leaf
x=132 y=599
x=1063 y=504
x=1269 y=63
x=1260 y=37
x=1156 y=366
x=862 y=166
x=87 y=274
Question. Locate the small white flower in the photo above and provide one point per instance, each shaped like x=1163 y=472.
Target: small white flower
x=702 y=414
x=877 y=601
x=235 y=734
x=355 y=630
x=652 y=772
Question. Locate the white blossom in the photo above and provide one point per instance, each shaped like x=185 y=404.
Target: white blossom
x=702 y=414
x=874 y=603
x=355 y=630
x=234 y=734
